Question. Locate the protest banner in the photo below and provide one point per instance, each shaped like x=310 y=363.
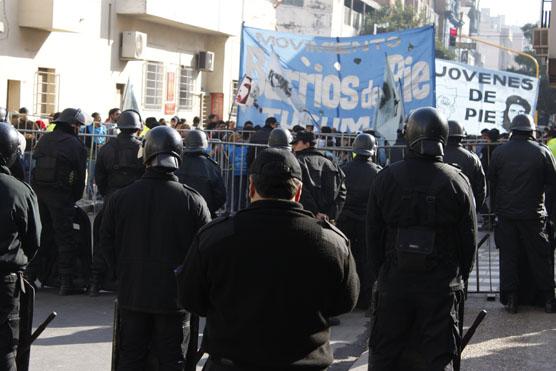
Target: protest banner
x=335 y=82
x=480 y=98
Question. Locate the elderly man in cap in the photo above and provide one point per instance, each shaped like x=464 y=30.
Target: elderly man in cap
x=268 y=278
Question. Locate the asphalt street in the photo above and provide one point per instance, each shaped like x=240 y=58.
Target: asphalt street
x=80 y=337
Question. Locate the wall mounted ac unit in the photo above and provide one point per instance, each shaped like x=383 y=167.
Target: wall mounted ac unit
x=205 y=61
x=134 y=44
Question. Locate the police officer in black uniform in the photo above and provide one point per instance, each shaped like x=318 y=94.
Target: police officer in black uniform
x=260 y=137
x=146 y=231
x=360 y=175
x=469 y=163
x=267 y=278
x=117 y=166
x=519 y=171
x=59 y=180
x=280 y=138
x=19 y=240
x=324 y=190
x=18 y=167
x=201 y=172
x=421 y=228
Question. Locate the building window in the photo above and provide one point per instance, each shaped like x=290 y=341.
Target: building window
x=293 y=2
x=187 y=84
x=46 y=91
x=153 y=83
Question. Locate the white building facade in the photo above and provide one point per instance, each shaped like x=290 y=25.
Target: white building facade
x=180 y=56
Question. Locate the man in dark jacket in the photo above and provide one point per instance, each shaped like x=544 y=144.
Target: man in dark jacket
x=267 y=278
x=469 y=163
x=421 y=238
x=117 y=166
x=260 y=137
x=324 y=190
x=519 y=172
x=19 y=240
x=360 y=175
x=59 y=180
x=146 y=231
x=200 y=172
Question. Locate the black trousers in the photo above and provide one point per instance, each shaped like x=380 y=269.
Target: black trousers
x=355 y=230
x=414 y=331
x=57 y=222
x=517 y=238
x=9 y=322
x=164 y=335
x=99 y=266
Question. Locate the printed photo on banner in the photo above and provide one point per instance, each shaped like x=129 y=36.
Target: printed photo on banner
x=351 y=84
x=480 y=98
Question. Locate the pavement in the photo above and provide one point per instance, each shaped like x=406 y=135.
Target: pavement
x=81 y=336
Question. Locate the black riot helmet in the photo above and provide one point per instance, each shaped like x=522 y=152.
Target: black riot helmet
x=72 y=117
x=130 y=119
x=196 y=141
x=364 y=145
x=163 y=148
x=455 y=130
x=3 y=114
x=9 y=144
x=523 y=123
x=280 y=138
x=427 y=132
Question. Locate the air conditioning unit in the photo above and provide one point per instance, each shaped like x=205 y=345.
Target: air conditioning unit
x=205 y=61
x=134 y=44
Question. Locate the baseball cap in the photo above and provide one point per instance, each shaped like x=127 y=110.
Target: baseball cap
x=277 y=163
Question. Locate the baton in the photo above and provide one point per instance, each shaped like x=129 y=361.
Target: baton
x=39 y=331
x=483 y=240
x=469 y=334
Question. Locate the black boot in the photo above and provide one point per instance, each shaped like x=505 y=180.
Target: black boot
x=94 y=287
x=66 y=285
x=511 y=307
x=550 y=302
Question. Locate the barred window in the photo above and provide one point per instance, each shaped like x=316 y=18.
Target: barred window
x=46 y=91
x=153 y=83
x=187 y=83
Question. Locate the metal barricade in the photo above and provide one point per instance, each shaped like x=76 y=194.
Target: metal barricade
x=231 y=149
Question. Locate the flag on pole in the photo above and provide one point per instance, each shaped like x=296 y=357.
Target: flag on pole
x=390 y=110
x=130 y=100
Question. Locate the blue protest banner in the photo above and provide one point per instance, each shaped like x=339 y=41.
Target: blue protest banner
x=335 y=82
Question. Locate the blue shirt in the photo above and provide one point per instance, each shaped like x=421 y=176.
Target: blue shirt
x=99 y=133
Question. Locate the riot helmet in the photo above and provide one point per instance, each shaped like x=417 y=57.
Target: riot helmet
x=455 y=130
x=9 y=144
x=163 y=148
x=195 y=141
x=427 y=132
x=280 y=138
x=72 y=117
x=523 y=123
x=364 y=144
x=130 y=119
x=3 y=114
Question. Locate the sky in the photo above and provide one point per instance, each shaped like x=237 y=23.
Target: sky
x=517 y=12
